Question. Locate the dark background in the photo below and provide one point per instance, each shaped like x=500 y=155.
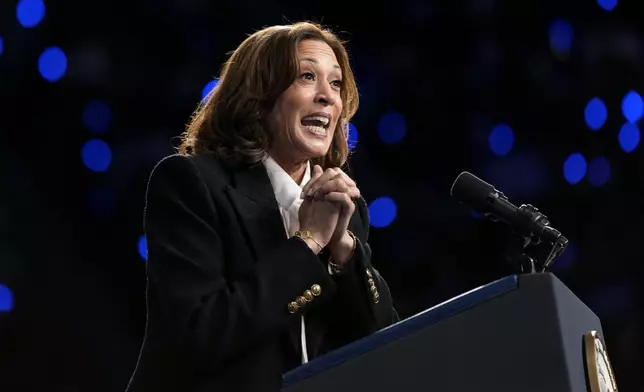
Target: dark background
x=72 y=275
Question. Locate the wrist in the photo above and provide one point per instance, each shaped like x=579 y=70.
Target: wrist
x=343 y=250
x=315 y=247
x=311 y=240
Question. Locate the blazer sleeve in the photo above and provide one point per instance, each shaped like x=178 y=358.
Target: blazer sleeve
x=362 y=303
x=207 y=318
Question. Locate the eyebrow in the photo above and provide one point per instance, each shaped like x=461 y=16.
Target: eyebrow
x=314 y=61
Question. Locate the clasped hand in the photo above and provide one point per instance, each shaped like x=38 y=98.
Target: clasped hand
x=328 y=206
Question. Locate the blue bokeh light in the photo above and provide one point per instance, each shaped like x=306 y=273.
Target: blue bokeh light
x=501 y=139
x=632 y=106
x=608 y=5
x=6 y=299
x=595 y=114
x=629 y=137
x=52 y=64
x=575 y=168
x=392 y=127
x=561 y=36
x=142 y=246
x=598 y=171
x=102 y=201
x=30 y=12
x=207 y=89
x=97 y=116
x=382 y=212
x=1 y=46
x=352 y=139
x=96 y=155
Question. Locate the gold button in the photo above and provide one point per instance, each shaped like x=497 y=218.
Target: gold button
x=301 y=301
x=373 y=289
x=376 y=299
x=371 y=282
x=369 y=273
x=308 y=295
x=293 y=307
x=316 y=289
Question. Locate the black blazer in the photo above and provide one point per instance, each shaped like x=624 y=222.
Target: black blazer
x=221 y=274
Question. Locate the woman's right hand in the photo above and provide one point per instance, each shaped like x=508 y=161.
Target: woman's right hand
x=320 y=217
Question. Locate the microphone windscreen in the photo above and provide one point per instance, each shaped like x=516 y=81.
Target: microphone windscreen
x=470 y=190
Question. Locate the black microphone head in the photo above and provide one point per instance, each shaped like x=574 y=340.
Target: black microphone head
x=471 y=190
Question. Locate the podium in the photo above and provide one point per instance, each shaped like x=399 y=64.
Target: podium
x=522 y=333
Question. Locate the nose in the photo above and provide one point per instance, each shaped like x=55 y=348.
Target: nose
x=325 y=94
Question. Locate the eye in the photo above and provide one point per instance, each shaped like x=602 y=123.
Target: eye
x=337 y=84
x=308 y=76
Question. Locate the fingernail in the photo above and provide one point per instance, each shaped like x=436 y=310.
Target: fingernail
x=310 y=192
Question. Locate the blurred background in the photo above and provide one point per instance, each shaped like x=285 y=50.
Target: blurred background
x=540 y=98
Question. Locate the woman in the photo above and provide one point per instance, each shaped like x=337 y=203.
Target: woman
x=257 y=242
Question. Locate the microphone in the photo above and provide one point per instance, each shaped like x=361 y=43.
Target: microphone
x=494 y=205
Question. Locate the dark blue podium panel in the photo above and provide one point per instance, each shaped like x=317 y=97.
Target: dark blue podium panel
x=520 y=333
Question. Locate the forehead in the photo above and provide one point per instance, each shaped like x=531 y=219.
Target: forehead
x=317 y=52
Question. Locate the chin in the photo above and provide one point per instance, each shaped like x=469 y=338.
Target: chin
x=314 y=147
x=312 y=152
x=309 y=150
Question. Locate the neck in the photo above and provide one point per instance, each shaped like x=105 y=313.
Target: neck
x=294 y=169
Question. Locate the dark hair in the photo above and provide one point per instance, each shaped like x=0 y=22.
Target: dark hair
x=230 y=122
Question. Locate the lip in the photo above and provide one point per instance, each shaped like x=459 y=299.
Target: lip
x=320 y=114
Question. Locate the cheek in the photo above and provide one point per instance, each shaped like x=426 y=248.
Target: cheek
x=338 y=114
x=290 y=113
x=338 y=104
x=282 y=117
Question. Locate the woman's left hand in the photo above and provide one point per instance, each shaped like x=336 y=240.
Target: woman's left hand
x=336 y=186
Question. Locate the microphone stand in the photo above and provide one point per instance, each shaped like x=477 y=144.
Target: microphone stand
x=529 y=251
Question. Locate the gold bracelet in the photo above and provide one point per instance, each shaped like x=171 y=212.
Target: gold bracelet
x=306 y=234
x=336 y=268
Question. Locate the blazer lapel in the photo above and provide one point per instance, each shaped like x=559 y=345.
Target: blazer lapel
x=252 y=195
x=254 y=199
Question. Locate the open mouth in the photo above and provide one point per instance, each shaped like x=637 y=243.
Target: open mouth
x=316 y=124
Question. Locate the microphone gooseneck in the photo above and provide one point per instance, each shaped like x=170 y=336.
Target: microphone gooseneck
x=526 y=219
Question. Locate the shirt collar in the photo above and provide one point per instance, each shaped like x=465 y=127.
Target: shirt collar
x=286 y=190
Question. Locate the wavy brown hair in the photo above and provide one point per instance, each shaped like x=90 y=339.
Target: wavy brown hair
x=230 y=123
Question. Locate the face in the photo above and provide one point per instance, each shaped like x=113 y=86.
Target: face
x=305 y=116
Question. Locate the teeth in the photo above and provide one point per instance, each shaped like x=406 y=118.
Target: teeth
x=322 y=119
x=317 y=130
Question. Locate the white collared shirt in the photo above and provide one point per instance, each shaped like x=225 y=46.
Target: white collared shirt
x=287 y=194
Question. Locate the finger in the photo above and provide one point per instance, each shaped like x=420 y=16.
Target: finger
x=321 y=180
x=315 y=175
x=334 y=185
x=345 y=177
x=348 y=180
x=353 y=192
x=340 y=198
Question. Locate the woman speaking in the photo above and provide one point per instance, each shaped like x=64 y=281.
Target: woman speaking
x=258 y=258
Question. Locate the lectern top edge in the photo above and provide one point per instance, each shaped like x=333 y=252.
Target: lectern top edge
x=403 y=328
